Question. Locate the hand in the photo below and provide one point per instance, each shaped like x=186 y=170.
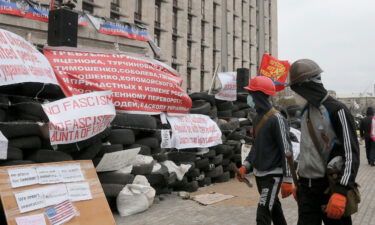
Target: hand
x=336 y=206
x=242 y=173
x=286 y=189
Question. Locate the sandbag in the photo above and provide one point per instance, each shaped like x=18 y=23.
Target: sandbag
x=136 y=197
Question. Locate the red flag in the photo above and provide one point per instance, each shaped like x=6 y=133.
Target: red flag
x=275 y=69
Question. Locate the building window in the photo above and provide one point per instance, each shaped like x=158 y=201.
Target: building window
x=157 y=37
x=234 y=6
x=190 y=5
x=190 y=26
x=157 y=13
x=214 y=39
x=202 y=7
x=213 y=60
x=189 y=51
x=87 y=8
x=202 y=81
x=174 y=47
x=115 y=9
x=138 y=10
x=214 y=15
x=175 y=66
x=175 y=20
x=202 y=58
x=202 y=31
x=188 y=80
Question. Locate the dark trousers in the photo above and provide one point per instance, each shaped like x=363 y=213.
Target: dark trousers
x=311 y=199
x=370 y=150
x=269 y=206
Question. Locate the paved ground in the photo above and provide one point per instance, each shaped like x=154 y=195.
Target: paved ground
x=175 y=211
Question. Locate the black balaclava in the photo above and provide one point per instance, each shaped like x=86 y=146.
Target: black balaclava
x=313 y=92
x=262 y=105
x=370 y=111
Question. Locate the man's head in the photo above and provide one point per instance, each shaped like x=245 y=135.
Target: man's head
x=370 y=111
x=305 y=80
x=260 y=88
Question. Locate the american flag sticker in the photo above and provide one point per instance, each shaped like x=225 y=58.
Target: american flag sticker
x=61 y=213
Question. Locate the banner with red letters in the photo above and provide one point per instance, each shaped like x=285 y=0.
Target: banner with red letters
x=138 y=84
x=228 y=91
x=79 y=117
x=21 y=62
x=194 y=131
x=275 y=69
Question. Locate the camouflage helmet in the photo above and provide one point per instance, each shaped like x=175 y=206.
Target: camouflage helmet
x=303 y=69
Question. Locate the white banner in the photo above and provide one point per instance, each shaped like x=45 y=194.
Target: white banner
x=21 y=62
x=228 y=91
x=194 y=131
x=79 y=117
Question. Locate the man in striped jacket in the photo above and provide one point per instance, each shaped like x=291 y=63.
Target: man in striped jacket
x=327 y=131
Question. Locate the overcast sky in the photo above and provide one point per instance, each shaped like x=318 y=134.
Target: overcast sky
x=338 y=34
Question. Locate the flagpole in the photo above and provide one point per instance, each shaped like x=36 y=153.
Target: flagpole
x=214 y=78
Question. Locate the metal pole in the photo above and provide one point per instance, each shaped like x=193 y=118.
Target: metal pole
x=214 y=78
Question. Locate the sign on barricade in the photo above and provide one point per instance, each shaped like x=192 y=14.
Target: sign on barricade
x=228 y=91
x=79 y=117
x=194 y=131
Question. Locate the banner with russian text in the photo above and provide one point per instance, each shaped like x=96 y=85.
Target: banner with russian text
x=79 y=117
x=138 y=84
x=275 y=69
x=228 y=91
x=194 y=131
x=21 y=62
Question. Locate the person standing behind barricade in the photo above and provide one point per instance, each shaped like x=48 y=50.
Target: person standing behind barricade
x=329 y=152
x=267 y=154
x=365 y=131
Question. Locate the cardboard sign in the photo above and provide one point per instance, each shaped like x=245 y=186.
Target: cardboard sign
x=33 y=200
x=79 y=117
x=194 y=131
x=228 y=91
x=117 y=160
x=21 y=62
x=138 y=84
x=275 y=69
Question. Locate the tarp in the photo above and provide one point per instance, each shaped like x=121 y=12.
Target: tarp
x=275 y=69
x=139 y=84
x=21 y=62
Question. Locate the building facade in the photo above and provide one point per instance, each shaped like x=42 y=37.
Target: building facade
x=195 y=36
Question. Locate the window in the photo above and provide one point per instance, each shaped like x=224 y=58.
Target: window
x=174 y=66
x=138 y=10
x=234 y=6
x=214 y=39
x=174 y=20
x=189 y=51
x=157 y=37
x=190 y=26
x=87 y=8
x=202 y=31
x=188 y=80
x=202 y=7
x=190 y=5
x=174 y=47
x=157 y=13
x=115 y=9
x=213 y=60
x=202 y=81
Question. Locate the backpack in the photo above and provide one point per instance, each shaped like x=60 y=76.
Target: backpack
x=372 y=133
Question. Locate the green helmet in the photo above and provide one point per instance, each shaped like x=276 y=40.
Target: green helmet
x=303 y=69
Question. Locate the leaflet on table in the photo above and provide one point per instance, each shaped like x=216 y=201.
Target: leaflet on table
x=117 y=160
x=37 y=219
x=37 y=198
x=26 y=176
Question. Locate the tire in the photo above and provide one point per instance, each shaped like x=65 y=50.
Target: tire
x=156 y=180
x=225 y=106
x=112 y=190
x=44 y=156
x=145 y=150
x=213 y=113
x=11 y=130
x=122 y=136
x=16 y=162
x=33 y=109
x=210 y=154
x=224 y=114
x=231 y=125
x=202 y=163
x=109 y=149
x=235 y=108
x=198 y=103
x=225 y=162
x=242 y=98
x=179 y=157
x=240 y=114
x=223 y=149
x=218 y=171
x=163 y=191
x=160 y=157
x=188 y=187
x=203 y=96
x=245 y=123
x=142 y=169
x=205 y=182
x=24 y=143
x=115 y=178
x=217 y=160
x=14 y=153
x=237 y=158
x=89 y=152
x=150 y=142
x=172 y=178
x=137 y=121
x=193 y=173
x=242 y=105
x=204 y=109
x=3 y=115
x=225 y=177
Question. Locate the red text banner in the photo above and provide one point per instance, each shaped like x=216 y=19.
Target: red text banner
x=138 y=84
x=79 y=117
x=21 y=62
x=275 y=69
x=228 y=91
x=194 y=131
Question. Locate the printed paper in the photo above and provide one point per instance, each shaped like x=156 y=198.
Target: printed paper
x=24 y=176
x=49 y=174
x=79 y=191
x=55 y=194
x=37 y=219
x=117 y=160
x=3 y=146
x=30 y=200
x=71 y=173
